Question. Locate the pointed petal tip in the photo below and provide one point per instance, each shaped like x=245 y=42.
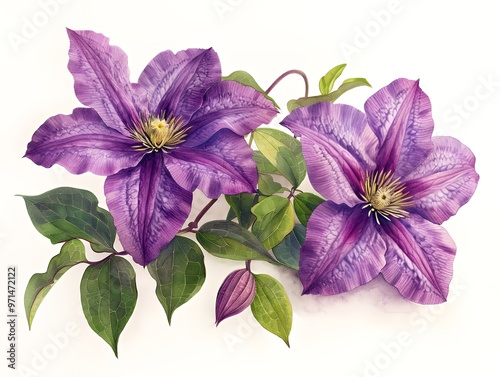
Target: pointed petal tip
x=438 y=300
x=143 y=260
x=416 y=84
x=138 y=260
x=306 y=290
x=74 y=33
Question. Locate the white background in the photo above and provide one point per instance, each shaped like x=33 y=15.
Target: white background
x=452 y=46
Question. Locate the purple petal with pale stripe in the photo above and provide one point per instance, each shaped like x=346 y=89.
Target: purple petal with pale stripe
x=419 y=259
x=221 y=165
x=230 y=105
x=102 y=79
x=444 y=182
x=235 y=294
x=176 y=83
x=81 y=143
x=148 y=207
x=342 y=250
x=338 y=147
x=400 y=116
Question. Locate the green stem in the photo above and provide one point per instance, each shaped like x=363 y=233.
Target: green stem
x=250 y=140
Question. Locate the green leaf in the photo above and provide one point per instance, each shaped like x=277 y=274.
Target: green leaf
x=231 y=215
x=327 y=81
x=288 y=251
x=229 y=240
x=67 y=213
x=179 y=272
x=267 y=185
x=331 y=97
x=284 y=152
x=246 y=79
x=275 y=219
x=263 y=164
x=71 y=254
x=241 y=205
x=271 y=307
x=348 y=85
x=305 y=203
x=109 y=294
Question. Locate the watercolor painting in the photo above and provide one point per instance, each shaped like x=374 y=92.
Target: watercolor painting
x=190 y=186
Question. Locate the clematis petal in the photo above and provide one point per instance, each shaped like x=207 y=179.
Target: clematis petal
x=228 y=104
x=221 y=165
x=102 y=79
x=176 y=82
x=81 y=143
x=419 y=259
x=342 y=250
x=400 y=116
x=148 y=207
x=338 y=147
x=444 y=182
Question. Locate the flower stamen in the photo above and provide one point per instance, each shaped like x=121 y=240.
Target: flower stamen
x=385 y=196
x=159 y=133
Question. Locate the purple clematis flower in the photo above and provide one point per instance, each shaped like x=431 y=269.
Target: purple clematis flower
x=178 y=129
x=389 y=185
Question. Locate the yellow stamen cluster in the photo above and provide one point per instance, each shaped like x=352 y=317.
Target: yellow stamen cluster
x=156 y=133
x=385 y=195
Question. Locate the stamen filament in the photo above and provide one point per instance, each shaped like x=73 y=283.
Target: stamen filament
x=157 y=133
x=385 y=195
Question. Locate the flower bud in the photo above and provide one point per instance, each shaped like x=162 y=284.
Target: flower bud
x=235 y=294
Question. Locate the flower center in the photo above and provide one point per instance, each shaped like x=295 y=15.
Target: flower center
x=385 y=196
x=159 y=133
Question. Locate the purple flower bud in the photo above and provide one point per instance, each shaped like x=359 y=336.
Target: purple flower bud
x=235 y=294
